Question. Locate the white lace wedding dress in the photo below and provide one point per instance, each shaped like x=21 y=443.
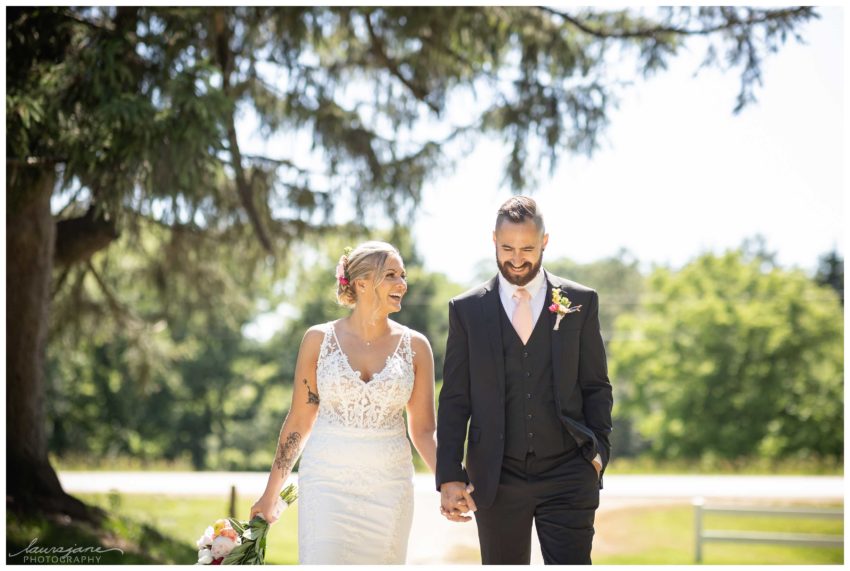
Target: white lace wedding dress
x=355 y=480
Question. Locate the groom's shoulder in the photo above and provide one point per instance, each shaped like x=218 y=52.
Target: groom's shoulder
x=566 y=284
x=474 y=292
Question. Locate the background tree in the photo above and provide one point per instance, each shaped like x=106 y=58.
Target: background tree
x=181 y=382
x=831 y=272
x=730 y=358
x=127 y=118
x=141 y=359
x=617 y=279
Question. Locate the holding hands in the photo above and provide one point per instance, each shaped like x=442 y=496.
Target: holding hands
x=456 y=500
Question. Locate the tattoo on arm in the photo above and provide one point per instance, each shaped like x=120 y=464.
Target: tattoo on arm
x=287 y=453
x=312 y=398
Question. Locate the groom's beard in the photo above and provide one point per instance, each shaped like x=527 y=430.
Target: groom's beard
x=520 y=279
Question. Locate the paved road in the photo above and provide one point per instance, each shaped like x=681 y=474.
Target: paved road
x=616 y=487
x=458 y=542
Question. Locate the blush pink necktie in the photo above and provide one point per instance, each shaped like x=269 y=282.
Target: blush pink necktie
x=522 y=320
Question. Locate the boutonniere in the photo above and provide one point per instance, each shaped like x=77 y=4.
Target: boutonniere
x=561 y=305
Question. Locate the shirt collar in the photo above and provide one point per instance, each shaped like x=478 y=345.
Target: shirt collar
x=533 y=286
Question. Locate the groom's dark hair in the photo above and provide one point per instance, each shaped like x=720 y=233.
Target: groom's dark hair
x=518 y=209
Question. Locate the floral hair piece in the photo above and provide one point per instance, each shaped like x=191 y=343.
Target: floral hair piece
x=341 y=266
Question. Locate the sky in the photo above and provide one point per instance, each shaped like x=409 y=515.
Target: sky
x=678 y=174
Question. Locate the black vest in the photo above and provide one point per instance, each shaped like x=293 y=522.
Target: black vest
x=531 y=421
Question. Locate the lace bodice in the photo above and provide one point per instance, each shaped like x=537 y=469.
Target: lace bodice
x=347 y=401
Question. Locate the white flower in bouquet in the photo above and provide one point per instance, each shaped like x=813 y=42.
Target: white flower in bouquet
x=206 y=539
x=205 y=556
x=222 y=546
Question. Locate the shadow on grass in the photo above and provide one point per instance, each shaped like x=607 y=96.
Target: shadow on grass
x=45 y=541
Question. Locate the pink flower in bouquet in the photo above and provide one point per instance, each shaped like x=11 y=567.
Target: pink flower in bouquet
x=222 y=528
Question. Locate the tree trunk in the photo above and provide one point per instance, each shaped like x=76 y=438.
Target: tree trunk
x=31 y=483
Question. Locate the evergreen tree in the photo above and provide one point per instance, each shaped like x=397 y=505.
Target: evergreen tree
x=126 y=118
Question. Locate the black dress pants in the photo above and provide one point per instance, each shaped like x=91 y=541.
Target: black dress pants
x=560 y=498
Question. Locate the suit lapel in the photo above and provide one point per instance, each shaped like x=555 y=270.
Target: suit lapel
x=490 y=307
x=555 y=338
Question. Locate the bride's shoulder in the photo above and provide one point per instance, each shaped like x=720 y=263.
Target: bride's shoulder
x=314 y=336
x=418 y=341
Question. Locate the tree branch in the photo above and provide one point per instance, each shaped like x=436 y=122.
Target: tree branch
x=225 y=61
x=731 y=23
x=455 y=55
x=106 y=25
x=77 y=239
x=118 y=309
x=392 y=66
x=60 y=282
x=279 y=162
x=244 y=188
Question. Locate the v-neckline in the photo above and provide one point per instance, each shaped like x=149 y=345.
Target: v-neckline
x=357 y=372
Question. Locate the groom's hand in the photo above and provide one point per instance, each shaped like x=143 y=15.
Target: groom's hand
x=456 y=500
x=597 y=463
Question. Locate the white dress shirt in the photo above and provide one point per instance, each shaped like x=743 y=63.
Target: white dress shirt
x=536 y=287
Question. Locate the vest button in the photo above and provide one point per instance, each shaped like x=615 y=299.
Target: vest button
x=531 y=435
x=527 y=374
x=528 y=396
x=525 y=353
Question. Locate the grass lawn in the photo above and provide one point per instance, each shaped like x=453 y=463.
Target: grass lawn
x=665 y=535
x=120 y=540
x=163 y=529
x=184 y=519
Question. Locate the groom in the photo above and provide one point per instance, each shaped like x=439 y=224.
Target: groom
x=530 y=378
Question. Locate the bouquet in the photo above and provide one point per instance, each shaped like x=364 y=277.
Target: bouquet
x=233 y=542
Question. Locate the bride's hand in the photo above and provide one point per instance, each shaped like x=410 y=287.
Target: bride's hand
x=456 y=500
x=268 y=507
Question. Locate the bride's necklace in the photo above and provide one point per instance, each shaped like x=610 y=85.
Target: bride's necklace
x=361 y=330
x=368 y=342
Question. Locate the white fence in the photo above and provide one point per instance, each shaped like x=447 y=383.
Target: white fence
x=727 y=536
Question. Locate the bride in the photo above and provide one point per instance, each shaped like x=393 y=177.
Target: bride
x=354 y=377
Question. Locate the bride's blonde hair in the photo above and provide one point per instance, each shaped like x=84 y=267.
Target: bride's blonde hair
x=369 y=258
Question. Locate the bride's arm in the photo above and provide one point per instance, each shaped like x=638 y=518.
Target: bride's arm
x=298 y=423
x=421 y=420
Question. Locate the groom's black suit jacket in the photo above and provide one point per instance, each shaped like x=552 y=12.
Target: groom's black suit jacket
x=474 y=385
